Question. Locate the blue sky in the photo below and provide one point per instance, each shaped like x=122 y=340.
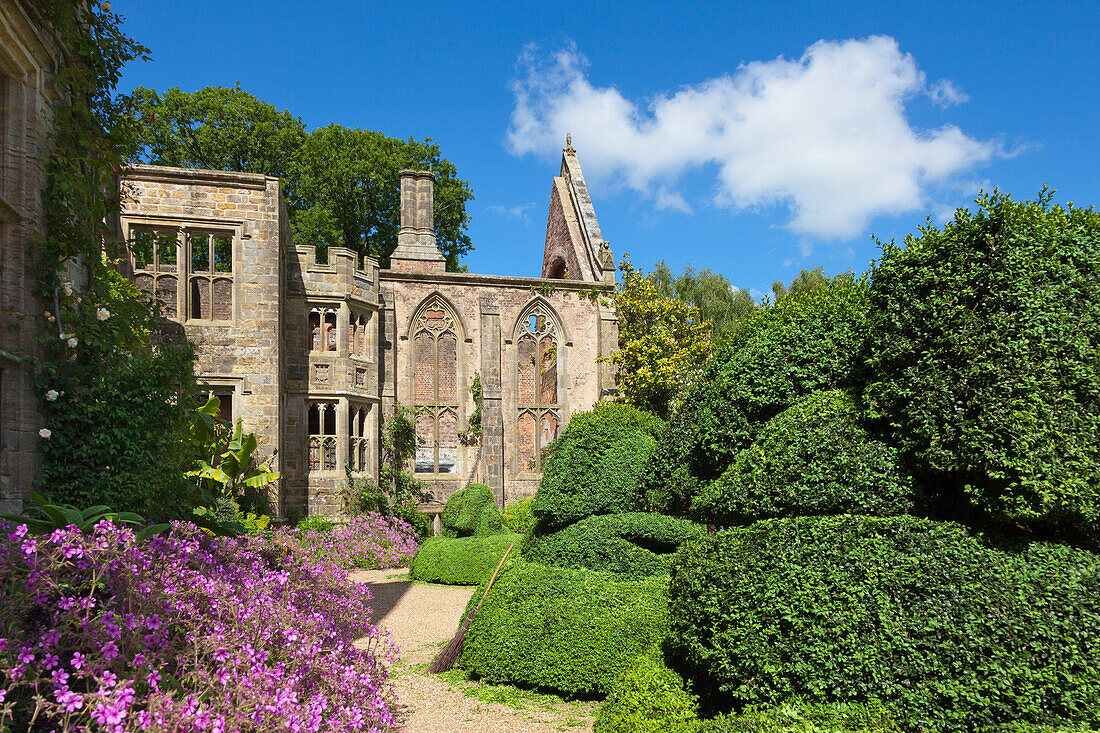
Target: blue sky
x=751 y=139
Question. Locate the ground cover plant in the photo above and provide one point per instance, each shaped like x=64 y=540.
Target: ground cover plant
x=593 y=466
x=808 y=341
x=182 y=633
x=630 y=543
x=573 y=631
x=985 y=361
x=371 y=541
x=814 y=458
x=461 y=560
x=472 y=512
x=950 y=633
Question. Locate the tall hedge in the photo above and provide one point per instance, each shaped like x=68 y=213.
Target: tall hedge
x=573 y=631
x=806 y=342
x=986 y=359
x=594 y=465
x=630 y=543
x=814 y=458
x=472 y=512
x=949 y=633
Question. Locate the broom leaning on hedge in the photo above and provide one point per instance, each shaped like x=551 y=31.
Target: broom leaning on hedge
x=447 y=658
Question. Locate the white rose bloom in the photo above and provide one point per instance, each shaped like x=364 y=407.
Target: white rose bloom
x=44 y=433
x=73 y=342
x=51 y=395
x=102 y=314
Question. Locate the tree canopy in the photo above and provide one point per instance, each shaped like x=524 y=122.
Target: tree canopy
x=341 y=183
x=719 y=303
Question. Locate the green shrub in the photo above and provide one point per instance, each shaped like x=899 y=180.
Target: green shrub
x=986 y=359
x=594 y=465
x=799 y=717
x=634 y=543
x=573 y=631
x=949 y=633
x=648 y=698
x=472 y=512
x=316 y=523
x=461 y=560
x=518 y=516
x=811 y=459
x=807 y=342
x=408 y=511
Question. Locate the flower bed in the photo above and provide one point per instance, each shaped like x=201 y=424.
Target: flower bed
x=371 y=541
x=184 y=633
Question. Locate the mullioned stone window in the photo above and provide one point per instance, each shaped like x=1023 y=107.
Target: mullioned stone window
x=322 y=329
x=359 y=443
x=160 y=267
x=435 y=387
x=322 y=436
x=537 y=399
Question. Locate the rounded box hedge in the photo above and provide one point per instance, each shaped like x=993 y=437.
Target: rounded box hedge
x=631 y=543
x=812 y=459
x=948 y=632
x=461 y=560
x=806 y=342
x=594 y=465
x=573 y=631
x=472 y=512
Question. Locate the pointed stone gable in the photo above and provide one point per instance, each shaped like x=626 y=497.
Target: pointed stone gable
x=575 y=248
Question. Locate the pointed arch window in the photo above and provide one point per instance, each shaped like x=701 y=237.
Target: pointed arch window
x=537 y=395
x=435 y=388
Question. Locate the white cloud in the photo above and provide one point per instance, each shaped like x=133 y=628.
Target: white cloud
x=518 y=212
x=826 y=135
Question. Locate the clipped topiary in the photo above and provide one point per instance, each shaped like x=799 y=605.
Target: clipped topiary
x=807 y=342
x=594 y=465
x=460 y=560
x=631 y=543
x=472 y=512
x=648 y=698
x=986 y=360
x=947 y=632
x=813 y=458
x=573 y=631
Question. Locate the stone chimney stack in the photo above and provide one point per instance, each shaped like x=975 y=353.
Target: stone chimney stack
x=417 y=250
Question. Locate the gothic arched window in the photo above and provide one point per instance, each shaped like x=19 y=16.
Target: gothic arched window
x=435 y=388
x=537 y=399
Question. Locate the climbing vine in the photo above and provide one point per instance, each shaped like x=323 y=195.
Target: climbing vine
x=116 y=393
x=472 y=435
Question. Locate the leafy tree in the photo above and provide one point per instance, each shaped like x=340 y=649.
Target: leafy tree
x=986 y=360
x=720 y=304
x=341 y=183
x=663 y=343
x=220 y=128
x=808 y=281
x=342 y=190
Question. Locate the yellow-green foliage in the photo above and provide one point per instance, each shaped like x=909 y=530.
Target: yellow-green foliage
x=461 y=560
x=648 y=698
x=472 y=512
x=573 y=631
x=518 y=517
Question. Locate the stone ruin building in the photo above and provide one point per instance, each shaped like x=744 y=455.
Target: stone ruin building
x=315 y=357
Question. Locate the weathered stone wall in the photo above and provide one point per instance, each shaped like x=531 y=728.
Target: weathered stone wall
x=489 y=309
x=345 y=377
x=25 y=112
x=563 y=238
x=243 y=352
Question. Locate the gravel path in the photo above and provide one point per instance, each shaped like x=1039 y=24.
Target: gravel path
x=421 y=620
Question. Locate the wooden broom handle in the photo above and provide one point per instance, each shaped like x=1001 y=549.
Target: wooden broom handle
x=490 y=585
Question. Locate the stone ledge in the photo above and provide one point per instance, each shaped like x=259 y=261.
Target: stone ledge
x=166 y=174
x=466 y=278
